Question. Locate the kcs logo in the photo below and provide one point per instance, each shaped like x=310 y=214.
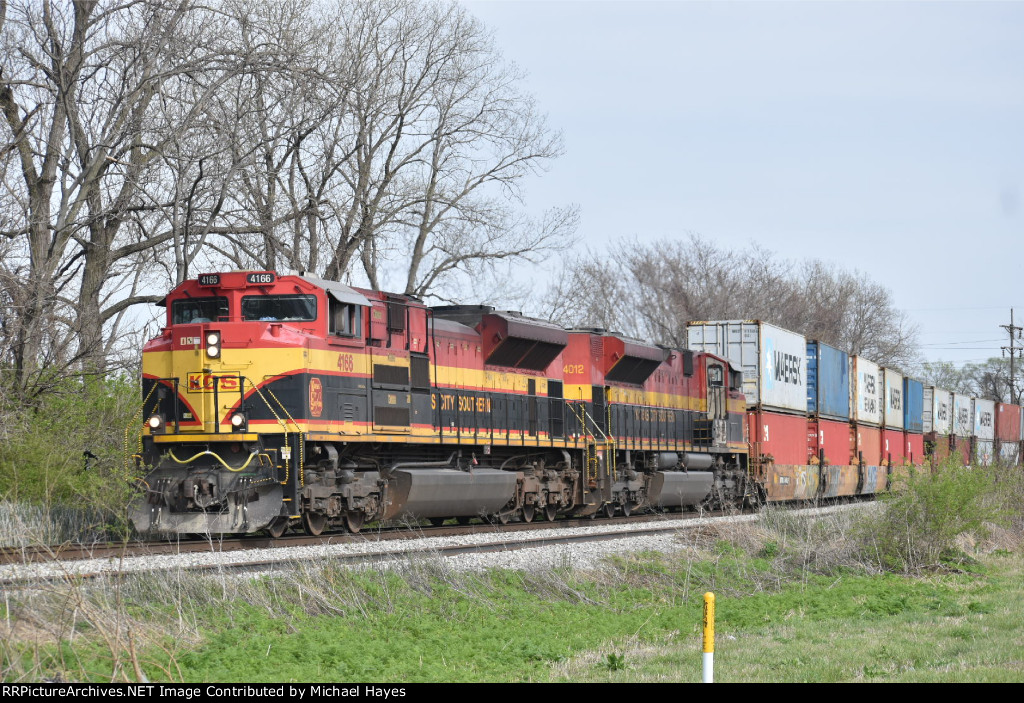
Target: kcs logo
x=204 y=382
x=316 y=397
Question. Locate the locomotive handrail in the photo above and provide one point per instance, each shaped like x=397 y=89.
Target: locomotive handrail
x=215 y=456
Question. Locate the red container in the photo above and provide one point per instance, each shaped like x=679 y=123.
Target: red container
x=960 y=447
x=937 y=447
x=893 y=447
x=783 y=437
x=914 y=448
x=866 y=444
x=831 y=436
x=779 y=446
x=1007 y=422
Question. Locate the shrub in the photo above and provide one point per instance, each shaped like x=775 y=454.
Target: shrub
x=65 y=452
x=918 y=524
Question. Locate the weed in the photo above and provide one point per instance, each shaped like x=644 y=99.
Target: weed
x=615 y=662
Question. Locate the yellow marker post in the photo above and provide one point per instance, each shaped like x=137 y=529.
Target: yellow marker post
x=709 y=638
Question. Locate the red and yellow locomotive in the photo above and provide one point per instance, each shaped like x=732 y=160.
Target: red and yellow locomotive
x=274 y=400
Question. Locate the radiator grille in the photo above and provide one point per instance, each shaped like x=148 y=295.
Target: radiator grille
x=392 y=375
x=384 y=415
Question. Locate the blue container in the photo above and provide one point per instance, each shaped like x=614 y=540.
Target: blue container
x=828 y=382
x=913 y=405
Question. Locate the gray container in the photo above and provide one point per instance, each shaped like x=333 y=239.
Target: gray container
x=773 y=360
x=865 y=391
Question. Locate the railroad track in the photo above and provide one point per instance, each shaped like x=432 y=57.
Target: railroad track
x=130 y=549
x=365 y=548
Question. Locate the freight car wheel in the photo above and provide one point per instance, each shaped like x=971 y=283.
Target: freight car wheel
x=550 y=512
x=436 y=521
x=627 y=509
x=315 y=523
x=277 y=527
x=354 y=520
x=608 y=510
x=528 y=512
x=463 y=519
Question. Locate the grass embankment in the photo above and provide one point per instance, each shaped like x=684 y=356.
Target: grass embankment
x=886 y=597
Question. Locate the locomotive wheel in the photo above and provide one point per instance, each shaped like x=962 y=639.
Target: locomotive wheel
x=277 y=527
x=314 y=523
x=528 y=512
x=550 y=512
x=354 y=520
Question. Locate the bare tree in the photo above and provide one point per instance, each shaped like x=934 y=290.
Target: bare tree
x=652 y=291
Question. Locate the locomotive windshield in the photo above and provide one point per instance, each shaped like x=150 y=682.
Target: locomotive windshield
x=199 y=310
x=270 y=308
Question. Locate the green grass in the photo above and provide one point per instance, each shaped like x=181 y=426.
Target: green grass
x=954 y=628
x=638 y=620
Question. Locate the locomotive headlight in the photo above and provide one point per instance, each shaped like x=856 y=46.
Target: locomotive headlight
x=213 y=345
x=156 y=423
x=239 y=422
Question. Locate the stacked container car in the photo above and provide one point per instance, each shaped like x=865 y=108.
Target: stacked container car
x=1008 y=427
x=963 y=428
x=828 y=422
x=913 y=421
x=866 y=425
x=893 y=447
x=984 y=431
x=772 y=361
x=938 y=423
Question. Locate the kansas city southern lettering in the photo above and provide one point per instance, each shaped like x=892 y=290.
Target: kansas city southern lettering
x=465 y=404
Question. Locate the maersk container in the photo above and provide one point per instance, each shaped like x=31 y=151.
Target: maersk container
x=913 y=405
x=1007 y=422
x=892 y=399
x=985 y=419
x=963 y=415
x=938 y=411
x=828 y=382
x=773 y=360
x=865 y=391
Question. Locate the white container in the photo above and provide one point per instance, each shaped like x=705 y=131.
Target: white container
x=984 y=452
x=985 y=419
x=892 y=397
x=1008 y=452
x=938 y=411
x=963 y=415
x=865 y=391
x=773 y=360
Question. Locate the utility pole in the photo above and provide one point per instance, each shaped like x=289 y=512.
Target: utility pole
x=1015 y=335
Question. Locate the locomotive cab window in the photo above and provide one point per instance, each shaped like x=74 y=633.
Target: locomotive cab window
x=279 y=308
x=345 y=318
x=192 y=310
x=715 y=377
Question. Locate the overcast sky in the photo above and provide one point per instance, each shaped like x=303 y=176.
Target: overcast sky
x=880 y=136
